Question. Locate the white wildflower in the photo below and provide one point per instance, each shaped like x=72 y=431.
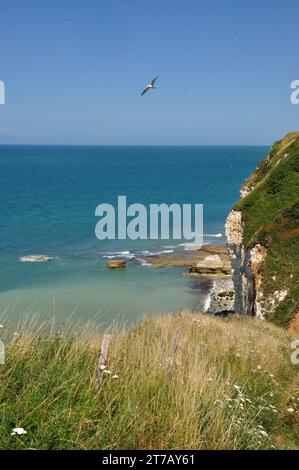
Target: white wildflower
x=107 y=372
x=290 y=410
x=115 y=376
x=18 y=431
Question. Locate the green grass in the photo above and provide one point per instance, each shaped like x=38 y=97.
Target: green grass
x=278 y=190
x=228 y=386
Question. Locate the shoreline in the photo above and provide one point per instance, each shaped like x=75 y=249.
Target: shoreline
x=208 y=269
x=210 y=261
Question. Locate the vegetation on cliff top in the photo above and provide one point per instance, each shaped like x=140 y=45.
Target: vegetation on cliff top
x=229 y=385
x=271 y=217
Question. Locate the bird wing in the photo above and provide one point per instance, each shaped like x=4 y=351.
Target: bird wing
x=153 y=81
x=145 y=90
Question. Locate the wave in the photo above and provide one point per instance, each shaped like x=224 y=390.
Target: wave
x=156 y=253
x=128 y=255
x=164 y=250
x=192 y=246
x=35 y=258
x=214 y=235
x=144 y=263
x=119 y=254
x=208 y=298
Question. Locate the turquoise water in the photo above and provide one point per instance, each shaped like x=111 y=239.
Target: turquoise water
x=48 y=198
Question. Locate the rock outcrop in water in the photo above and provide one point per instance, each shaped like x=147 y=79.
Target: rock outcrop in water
x=263 y=237
x=211 y=264
x=36 y=259
x=113 y=264
x=209 y=259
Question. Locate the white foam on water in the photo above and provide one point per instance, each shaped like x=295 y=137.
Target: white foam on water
x=207 y=302
x=156 y=253
x=192 y=246
x=118 y=254
x=214 y=235
x=36 y=259
x=145 y=263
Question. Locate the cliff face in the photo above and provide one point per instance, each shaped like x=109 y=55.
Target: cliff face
x=262 y=233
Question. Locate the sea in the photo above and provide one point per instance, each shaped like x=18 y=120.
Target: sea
x=48 y=199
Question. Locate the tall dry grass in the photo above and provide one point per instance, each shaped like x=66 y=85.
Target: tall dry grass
x=229 y=385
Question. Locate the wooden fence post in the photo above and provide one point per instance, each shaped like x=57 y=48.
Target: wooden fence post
x=174 y=352
x=176 y=342
x=102 y=359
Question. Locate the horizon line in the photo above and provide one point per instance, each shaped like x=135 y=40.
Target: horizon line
x=130 y=145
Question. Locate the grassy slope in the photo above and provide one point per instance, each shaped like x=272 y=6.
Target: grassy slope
x=229 y=387
x=271 y=216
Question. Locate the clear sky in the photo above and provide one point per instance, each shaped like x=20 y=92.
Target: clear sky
x=74 y=70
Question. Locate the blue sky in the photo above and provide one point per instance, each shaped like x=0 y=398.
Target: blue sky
x=74 y=70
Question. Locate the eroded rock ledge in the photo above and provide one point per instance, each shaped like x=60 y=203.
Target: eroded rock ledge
x=210 y=259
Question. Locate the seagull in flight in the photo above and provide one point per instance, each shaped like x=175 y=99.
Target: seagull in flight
x=150 y=86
